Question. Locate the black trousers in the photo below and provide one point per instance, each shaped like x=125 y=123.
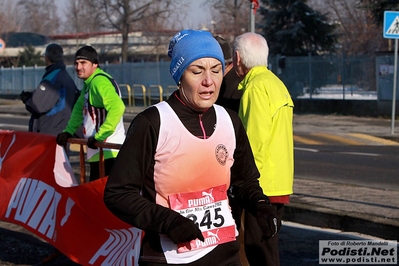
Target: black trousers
x=95 y=168
x=261 y=252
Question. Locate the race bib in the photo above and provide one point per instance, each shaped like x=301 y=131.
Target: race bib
x=209 y=210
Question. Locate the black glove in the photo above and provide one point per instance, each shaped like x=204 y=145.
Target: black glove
x=62 y=138
x=90 y=143
x=183 y=230
x=268 y=221
x=25 y=95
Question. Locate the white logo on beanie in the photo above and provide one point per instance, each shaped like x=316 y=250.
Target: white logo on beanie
x=173 y=42
x=181 y=37
x=177 y=66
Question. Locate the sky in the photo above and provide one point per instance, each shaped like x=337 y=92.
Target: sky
x=197 y=13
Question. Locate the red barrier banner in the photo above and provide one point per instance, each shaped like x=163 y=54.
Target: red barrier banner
x=38 y=191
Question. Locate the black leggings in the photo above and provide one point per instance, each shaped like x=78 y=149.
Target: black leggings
x=261 y=252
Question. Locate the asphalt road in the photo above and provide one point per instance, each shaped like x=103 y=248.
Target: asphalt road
x=299 y=246
x=367 y=166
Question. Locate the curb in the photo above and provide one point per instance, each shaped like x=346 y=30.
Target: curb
x=344 y=221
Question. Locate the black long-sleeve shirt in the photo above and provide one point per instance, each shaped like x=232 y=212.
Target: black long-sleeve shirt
x=130 y=190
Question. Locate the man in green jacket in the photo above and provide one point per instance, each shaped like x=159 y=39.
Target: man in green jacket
x=266 y=110
x=99 y=109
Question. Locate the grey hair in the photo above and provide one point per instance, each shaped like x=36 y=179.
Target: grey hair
x=253 y=49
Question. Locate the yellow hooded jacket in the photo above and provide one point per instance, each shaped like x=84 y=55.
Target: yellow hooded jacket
x=266 y=110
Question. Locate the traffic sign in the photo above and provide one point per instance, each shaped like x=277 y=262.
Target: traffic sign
x=391 y=24
x=2 y=45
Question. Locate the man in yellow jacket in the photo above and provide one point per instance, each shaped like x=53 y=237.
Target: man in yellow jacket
x=266 y=110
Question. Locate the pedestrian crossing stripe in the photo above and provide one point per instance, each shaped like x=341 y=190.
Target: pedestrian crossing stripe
x=305 y=140
x=337 y=138
x=324 y=138
x=391 y=25
x=373 y=139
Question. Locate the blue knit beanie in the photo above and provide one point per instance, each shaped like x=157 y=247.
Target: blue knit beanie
x=189 y=45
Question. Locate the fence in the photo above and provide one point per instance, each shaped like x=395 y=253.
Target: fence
x=325 y=77
x=140 y=83
x=138 y=94
x=14 y=80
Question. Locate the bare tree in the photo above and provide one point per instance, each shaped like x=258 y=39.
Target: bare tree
x=122 y=15
x=358 y=34
x=10 y=20
x=157 y=30
x=81 y=17
x=230 y=18
x=40 y=16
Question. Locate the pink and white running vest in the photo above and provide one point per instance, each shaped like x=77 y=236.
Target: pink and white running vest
x=185 y=163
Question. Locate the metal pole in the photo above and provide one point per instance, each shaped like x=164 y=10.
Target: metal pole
x=252 y=17
x=395 y=71
x=343 y=76
x=310 y=74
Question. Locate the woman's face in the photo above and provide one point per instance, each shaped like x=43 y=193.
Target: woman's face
x=200 y=83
